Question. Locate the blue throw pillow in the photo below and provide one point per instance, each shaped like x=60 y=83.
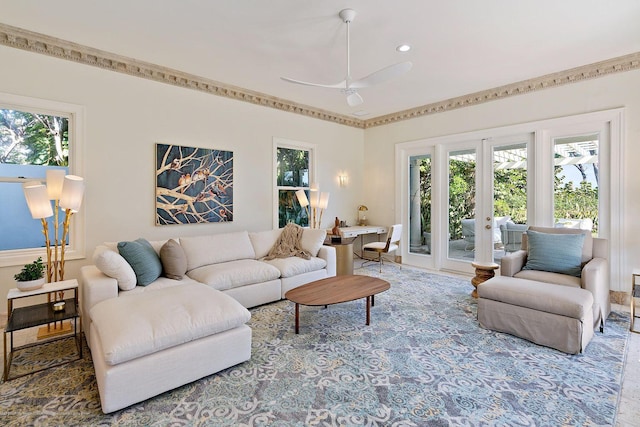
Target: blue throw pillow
x=557 y=253
x=143 y=259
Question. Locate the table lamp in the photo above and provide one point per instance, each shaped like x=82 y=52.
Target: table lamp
x=362 y=216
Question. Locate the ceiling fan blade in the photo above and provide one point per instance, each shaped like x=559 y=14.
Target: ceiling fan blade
x=341 y=85
x=382 y=75
x=354 y=99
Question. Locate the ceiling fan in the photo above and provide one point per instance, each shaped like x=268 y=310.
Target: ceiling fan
x=349 y=86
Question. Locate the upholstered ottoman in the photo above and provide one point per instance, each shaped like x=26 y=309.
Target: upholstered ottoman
x=552 y=315
x=148 y=343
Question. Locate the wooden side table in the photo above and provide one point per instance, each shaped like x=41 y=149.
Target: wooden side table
x=635 y=293
x=40 y=314
x=484 y=272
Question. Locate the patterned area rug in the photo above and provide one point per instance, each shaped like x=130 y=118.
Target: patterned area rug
x=423 y=361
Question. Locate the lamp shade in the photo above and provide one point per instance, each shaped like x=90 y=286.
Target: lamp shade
x=302 y=198
x=324 y=201
x=55 y=180
x=38 y=201
x=72 y=192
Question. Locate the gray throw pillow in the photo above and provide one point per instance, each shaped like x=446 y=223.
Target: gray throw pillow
x=174 y=260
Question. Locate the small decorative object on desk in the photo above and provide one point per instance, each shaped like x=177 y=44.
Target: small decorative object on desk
x=31 y=276
x=336 y=229
x=58 y=306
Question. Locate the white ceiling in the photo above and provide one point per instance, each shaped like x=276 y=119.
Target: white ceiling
x=459 y=46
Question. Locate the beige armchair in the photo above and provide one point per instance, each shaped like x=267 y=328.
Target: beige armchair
x=594 y=276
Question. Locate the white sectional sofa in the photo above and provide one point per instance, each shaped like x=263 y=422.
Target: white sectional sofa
x=221 y=273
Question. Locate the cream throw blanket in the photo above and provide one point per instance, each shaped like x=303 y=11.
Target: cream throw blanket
x=288 y=244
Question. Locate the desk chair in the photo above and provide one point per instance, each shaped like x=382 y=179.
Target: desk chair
x=391 y=244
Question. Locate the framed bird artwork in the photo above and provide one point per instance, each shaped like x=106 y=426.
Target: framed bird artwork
x=193 y=185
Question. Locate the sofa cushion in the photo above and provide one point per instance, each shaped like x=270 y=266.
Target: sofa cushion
x=548 y=277
x=557 y=253
x=216 y=248
x=160 y=283
x=143 y=259
x=174 y=260
x=312 y=239
x=294 y=266
x=133 y=326
x=233 y=274
x=114 y=265
x=560 y=300
x=263 y=241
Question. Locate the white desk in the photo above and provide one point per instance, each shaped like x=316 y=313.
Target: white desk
x=361 y=230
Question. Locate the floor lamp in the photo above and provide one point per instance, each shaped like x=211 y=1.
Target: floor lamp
x=314 y=205
x=66 y=191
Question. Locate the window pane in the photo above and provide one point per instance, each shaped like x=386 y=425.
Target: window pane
x=293 y=168
x=462 y=204
x=289 y=210
x=420 y=204
x=576 y=179
x=29 y=145
x=33 y=139
x=509 y=198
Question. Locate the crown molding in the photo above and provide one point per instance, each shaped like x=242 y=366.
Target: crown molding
x=51 y=46
x=573 y=75
x=40 y=43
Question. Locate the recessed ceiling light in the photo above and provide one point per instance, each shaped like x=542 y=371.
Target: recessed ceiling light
x=403 y=48
x=360 y=113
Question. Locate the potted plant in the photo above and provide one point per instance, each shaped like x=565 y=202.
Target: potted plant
x=31 y=276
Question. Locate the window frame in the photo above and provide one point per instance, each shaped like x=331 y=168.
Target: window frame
x=294 y=145
x=75 y=114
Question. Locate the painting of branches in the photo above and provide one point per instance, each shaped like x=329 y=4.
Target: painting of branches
x=193 y=185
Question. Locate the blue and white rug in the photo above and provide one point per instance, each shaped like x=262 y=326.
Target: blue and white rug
x=423 y=361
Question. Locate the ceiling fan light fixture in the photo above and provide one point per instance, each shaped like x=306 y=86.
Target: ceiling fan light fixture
x=354 y=99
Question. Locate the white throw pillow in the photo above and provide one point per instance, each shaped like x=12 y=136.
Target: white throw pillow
x=263 y=241
x=312 y=240
x=114 y=265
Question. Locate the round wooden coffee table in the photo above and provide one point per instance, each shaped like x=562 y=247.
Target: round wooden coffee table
x=337 y=289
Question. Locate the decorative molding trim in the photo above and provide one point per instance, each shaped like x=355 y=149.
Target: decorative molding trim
x=47 y=45
x=574 y=75
x=40 y=43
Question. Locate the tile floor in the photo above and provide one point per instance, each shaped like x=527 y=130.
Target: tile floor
x=628 y=410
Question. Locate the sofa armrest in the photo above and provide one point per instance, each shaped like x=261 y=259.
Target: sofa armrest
x=513 y=263
x=95 y=286
x=594 y=278
x=328 y=253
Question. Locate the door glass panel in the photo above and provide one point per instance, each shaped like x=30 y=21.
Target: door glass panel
x=462 y=204
x=575 y=184
x=420 y=204
x=509 y=198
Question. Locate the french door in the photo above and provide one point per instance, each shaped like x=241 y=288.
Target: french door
x=485 y=208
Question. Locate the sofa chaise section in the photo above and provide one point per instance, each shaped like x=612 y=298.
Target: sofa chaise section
x=147 y=343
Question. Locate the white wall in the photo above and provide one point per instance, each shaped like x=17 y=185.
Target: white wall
x=619 y=90
x=126 y=116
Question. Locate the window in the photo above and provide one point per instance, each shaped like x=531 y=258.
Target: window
x=293 y=166
x=35 y=135
x=420 y=204
x=576 y=178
